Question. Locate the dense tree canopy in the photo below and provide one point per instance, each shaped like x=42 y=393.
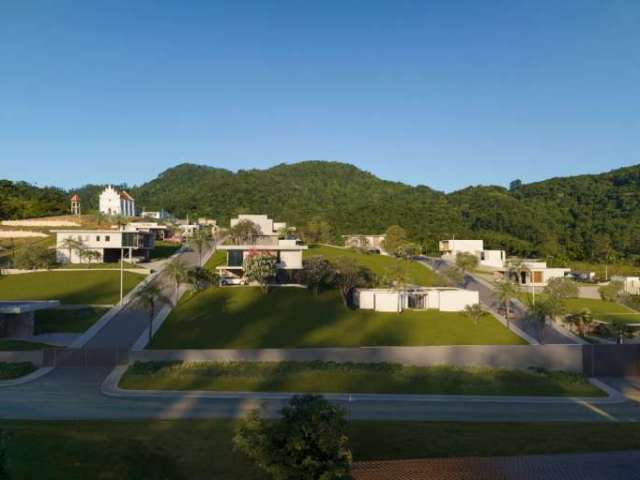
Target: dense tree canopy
x=590 y=217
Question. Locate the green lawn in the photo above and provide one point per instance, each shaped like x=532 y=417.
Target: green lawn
x=68 y=321
x=81 y=287
x=330 y=377
x=379 y=264
x=218 y=258
x=19 y=345
x=602 y=310
x=243 y=317
x=9 y=371
x=202 y=449
x=164 y=249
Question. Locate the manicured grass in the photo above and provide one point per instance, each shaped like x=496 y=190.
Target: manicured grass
x=244 y=317
x=68 y=321
x=379 y=264
x=218 y=258
x=81 y=287
x=9 y=371
x=18 y=345
x=602 y=310
x=202 y=449
x=330 y=377
x=164 y=249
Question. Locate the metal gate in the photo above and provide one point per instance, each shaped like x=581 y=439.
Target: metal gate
x=611 y=360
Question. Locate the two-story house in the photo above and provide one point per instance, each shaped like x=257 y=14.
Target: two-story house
x=108 y=244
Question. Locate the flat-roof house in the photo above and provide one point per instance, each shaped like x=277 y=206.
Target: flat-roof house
x=487 y=258
x=113 y=202
x=156 y=214
x=630 y=285
x=159 y=231
x=533 y=273
x=108 y=244
x=372 y=243
x=288 y=251
x=444 y=299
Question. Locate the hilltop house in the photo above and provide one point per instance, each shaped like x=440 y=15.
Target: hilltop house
x=159 y=231
x=486 y=258
x=372 y=243
x=113 y=202
x=107 y=245
x=531 y=273
x=288 y=251
x=156 y=214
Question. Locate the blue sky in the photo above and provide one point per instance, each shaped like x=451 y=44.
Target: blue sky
x=445 y=94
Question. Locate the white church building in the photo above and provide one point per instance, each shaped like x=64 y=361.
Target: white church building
x=113 y=202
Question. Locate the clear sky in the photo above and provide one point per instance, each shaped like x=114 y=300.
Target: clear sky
x=446 y=94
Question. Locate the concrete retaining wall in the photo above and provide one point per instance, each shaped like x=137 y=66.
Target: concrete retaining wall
x=551 y=357
x=33 y=356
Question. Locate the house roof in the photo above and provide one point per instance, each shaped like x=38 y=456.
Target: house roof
x=125 y=195
x=75 y=198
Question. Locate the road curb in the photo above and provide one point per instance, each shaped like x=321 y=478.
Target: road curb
x=110 y=387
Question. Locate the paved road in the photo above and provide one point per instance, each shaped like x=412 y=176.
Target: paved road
x=590 y=466
x=551 y=335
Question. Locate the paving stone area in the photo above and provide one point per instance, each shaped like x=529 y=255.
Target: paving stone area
x=592 y=466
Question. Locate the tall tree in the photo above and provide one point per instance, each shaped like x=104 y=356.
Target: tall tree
x=349 y=275
x=177 y=271
x=504 y=292
x=394 y=238
x=200 y=241
x=260 y=268
x=245 y=232
x=316 y=271
x=149 y=297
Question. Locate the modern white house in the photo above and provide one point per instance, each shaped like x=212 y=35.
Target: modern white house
x=372 y=243
x=108 y=245
x=288 y=251
x=416 y=298
x=486 y=258
x=532 y=273
x=159 y=231
x=113 y=202
x=630 y=285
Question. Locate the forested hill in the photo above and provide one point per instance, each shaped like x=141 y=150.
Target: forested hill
x=575 y=217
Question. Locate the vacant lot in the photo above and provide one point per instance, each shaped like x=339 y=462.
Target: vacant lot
x=68 y=321
x=164 y=249
x=605 y=311
x=244 y=317
x=81 y=287
x=330 y=377
x=202 y=449
x=380 y=264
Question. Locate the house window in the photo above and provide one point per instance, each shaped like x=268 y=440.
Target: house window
x=97 y=238
x=107 y=238
x=235 y=258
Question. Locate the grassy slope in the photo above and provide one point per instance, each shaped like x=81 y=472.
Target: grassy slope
x=9 y=371
x=243 y=317
x=89 y=287
x=69 y=321
x=599 y=268
x=419 y=274
x=329 y=377
x=218 y=258
x=202 y=449
x=602 y=310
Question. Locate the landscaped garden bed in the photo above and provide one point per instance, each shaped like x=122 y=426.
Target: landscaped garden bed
x=331 y=377
x=11 y=371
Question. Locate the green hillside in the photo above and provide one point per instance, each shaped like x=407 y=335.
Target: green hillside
x=577 y=218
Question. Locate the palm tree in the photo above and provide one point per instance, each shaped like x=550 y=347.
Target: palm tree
x=178 y=272
x=199 y=241
x=582 y=320
x=475 y=312
x=505 y=290
x=149 y=296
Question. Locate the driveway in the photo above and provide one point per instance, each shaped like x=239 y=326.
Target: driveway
x=551 y=335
